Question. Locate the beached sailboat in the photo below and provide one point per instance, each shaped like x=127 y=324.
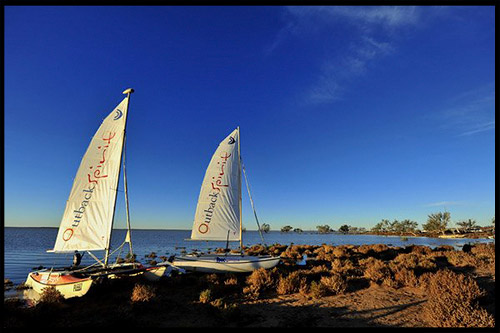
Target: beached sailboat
x=87 y=221
x=218 y=214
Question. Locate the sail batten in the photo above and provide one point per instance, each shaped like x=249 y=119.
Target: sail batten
x=217 y=216
x=87 y=219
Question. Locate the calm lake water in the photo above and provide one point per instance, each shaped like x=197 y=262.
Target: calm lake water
x=25 y=248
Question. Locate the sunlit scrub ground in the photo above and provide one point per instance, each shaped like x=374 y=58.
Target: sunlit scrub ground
x=339 y=286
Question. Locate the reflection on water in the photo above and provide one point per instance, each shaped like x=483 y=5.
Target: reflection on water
x=303 y=261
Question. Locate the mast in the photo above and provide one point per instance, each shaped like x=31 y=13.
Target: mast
x=239 y=180
x=127 y=92
x=128 y=237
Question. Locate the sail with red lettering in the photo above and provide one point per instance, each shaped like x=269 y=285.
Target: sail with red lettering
x=217 y=214
x=88 y=217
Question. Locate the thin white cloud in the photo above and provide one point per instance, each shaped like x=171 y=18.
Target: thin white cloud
x=471 y=112
x=480 y=128
x=341 y=66
x=339 y=71
x=443 y=203
x=388 y=16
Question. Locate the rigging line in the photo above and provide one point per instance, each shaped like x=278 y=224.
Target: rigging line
x=87 y=267
x=95 y=258
x=251 y=201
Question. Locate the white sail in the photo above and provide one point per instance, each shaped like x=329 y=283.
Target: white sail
x=88 y=217
x=217 y=214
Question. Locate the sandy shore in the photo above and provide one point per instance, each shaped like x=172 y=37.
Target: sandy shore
x=339 y=286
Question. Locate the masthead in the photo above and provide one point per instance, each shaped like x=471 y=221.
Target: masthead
x=128 y=91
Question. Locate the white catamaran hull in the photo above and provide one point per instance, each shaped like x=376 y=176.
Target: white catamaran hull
x=64 y=282
x=224 y=264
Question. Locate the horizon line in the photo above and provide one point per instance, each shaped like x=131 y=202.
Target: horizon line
x=47 y=227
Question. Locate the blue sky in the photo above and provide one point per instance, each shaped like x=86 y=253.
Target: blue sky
x=348 y=115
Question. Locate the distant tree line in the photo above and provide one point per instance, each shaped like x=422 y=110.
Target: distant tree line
x=436 y=222
x=395 y=226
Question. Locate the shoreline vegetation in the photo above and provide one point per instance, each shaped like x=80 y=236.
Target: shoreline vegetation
x=437 y=225
x=315 y=285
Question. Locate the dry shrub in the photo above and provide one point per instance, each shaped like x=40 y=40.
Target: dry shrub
x=318 y=270
x=258 y=281
x=375 y=270
x=231 y=284
x=461 y=259
x=335 y=283
x=211 y=279
x=388 y=254
x=484 y=250
x=290 y=283
x=292 y=252
x=225 y=310
x=446 y=283
x=444 y=248
x=345 y=267
x=485 y=256
x=404 y=277
x=424 y=280
x=7 y=284
x=277 y=249
x=296 y=248
x=453 y=301
x=341 y=251
x=415 y=261
x=51 y=295
x=327 y=248
x=206 y=296
x=324 y=252
x=304 y=288
x=427 y=264
x=261 y=278
x=380 y=247
x=407 y=260
x=309 y=249
x=256 y=250
x=419 y=249
x=325 y=256
x=231 y=280
x=251 y=292
x=465 y=315
x=151 y=255
x=317 y=289
x=337 y=265
x=142 y=293
x=217 y=303
x=366 y=250
x=389 y=281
